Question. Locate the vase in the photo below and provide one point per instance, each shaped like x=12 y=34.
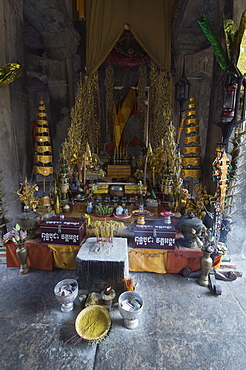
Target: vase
x=206 y=264
x=21 y=253
x=89 y=208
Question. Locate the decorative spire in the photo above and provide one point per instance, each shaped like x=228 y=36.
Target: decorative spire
x=43 y=150
x=191 y=160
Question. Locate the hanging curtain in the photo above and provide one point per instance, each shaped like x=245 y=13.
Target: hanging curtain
x=148 y=20
x=150 y=23
x=104 y=25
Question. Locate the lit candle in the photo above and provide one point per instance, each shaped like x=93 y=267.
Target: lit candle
x=108 y=290
x=108 y=295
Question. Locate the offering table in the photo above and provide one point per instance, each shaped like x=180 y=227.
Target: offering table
x=45 y=257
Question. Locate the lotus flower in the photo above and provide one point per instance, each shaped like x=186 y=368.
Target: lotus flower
x=16 y=235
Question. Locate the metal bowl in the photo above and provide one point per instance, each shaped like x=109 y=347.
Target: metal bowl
x=130 y=317
x=116 y=191
x=66 y=301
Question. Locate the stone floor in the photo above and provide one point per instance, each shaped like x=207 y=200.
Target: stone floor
x=182 y=326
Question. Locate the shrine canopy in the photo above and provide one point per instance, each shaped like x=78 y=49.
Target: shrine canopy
x=148 y=20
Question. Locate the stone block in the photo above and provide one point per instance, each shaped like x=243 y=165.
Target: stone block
x=102 y=264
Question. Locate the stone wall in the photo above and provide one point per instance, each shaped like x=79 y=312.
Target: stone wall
x=15 y=132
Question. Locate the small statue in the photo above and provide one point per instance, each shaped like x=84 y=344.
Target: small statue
x=119 y=211
x=26 y=195
x=29 y=218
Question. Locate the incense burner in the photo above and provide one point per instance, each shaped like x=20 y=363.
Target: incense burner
x=66 y=292
x=130 y=306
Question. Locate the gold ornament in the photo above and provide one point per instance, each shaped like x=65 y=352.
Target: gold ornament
x=109 y=83
x=26 y=194
x=142 y=75
x=9 y=73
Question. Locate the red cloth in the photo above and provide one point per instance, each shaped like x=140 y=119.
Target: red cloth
x=177 y=260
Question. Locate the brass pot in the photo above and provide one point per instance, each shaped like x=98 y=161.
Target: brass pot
x=116 y=191
x=186 y=227
x=29 y=221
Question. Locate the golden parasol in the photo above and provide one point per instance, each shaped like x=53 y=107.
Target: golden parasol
x=9 y=73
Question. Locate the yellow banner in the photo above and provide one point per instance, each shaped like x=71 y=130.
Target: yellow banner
x=189 y=130
x=43 y=139
x=41 y=130
x=43 y=149
x=191 y=120
x=192 y=113
x=121 y=117
x=195 y=174
x=191 y=149
x=45 y=171
x=191 y=161
x=43 y=158
x=42 y=122
x=192 y=139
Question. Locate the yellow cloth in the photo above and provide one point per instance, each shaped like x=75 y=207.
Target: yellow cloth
x=64 y=255
x=151 y=260
x=121 y=117
x=148 y=20
x=81 y=8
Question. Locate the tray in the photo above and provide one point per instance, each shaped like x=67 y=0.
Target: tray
x=142 y=212
x=104 y=215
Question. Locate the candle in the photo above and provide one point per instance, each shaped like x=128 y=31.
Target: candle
x=108 y=295
x=80 y=171
x=85 y=168
x=153 y=177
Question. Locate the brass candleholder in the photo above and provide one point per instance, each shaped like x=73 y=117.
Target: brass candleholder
x=108 y=295
x=141 y=220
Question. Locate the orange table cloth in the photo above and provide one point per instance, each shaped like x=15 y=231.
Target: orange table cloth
x=45 y=257
x=39 y=257
x=166 y=261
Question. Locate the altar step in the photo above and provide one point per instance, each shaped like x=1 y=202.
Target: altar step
x=2 y=254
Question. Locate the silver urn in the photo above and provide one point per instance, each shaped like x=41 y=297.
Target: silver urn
x=130 y=305
x=66 y=292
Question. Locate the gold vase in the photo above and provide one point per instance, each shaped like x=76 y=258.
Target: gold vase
x=21 y=253
x=206 y=264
